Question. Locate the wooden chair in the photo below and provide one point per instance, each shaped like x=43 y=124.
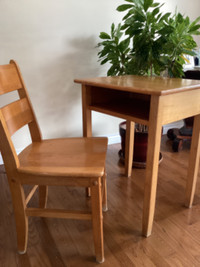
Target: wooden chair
x=69 y=162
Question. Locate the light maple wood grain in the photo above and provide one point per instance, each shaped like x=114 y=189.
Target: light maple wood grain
x=142 y=84
x=153 y=101
x=153 y=151
x=193 y=163
x=76 y=162
x=130 y=130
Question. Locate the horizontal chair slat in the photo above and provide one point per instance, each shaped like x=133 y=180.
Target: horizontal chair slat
x=56 y=213
x=9 y=79
x=17 y=114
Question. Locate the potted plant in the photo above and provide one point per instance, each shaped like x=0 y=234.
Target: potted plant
x=148 y=41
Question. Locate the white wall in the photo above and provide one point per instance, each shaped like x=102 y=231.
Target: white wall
x=54 y=42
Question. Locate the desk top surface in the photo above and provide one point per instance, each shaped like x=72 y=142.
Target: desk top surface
x=143 y=84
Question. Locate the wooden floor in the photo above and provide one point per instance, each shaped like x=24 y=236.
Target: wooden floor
x=175 y=240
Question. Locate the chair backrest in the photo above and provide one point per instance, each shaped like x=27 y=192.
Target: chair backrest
x=14 y=115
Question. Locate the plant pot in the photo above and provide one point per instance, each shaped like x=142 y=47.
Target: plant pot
x=140 y=147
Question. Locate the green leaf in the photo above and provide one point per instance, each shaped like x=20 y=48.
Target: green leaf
x=186 y=21
x=112 y=28
x=196 y=33
x=147 y=4
x=155 y=4
x=155 y=11
x=179 y=18
x=124 y=45
x=189 y=52
x=131 y=12
x=165 y=30
x=107 y=43
x=194 y=28
x=139 y=16
x=118 y=33
x=195 y=21
x=124 y=7
x=104 y=61
x=125 y=26
x=104 y=52
x=112 y=71
x=165 y=17
x=130 y=21
x=104 y=35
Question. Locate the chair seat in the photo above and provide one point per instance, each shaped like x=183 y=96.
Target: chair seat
x=81 y=157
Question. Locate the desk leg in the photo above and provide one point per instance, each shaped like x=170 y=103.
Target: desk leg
x=86 y=112
x=130 y=126
x=193 y=163
x=154 y=139
x=87 y=119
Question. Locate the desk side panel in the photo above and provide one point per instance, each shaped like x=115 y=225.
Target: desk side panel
x=179 y=106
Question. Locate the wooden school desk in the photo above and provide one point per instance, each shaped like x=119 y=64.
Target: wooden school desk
x=153 y=101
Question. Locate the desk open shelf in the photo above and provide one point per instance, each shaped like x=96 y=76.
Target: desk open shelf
x=126 y=105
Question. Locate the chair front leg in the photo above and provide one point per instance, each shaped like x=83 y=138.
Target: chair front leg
x=43 y=194
x=21 y=219
x=97 y=219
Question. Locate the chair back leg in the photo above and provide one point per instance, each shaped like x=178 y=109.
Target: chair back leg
x=43 y=194
x=97 y=219
x=104 y=193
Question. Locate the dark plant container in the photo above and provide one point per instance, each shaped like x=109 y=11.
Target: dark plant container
x=140 y=143
x=140 y=147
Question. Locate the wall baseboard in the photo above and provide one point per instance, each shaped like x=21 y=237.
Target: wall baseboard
x=114 y=139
